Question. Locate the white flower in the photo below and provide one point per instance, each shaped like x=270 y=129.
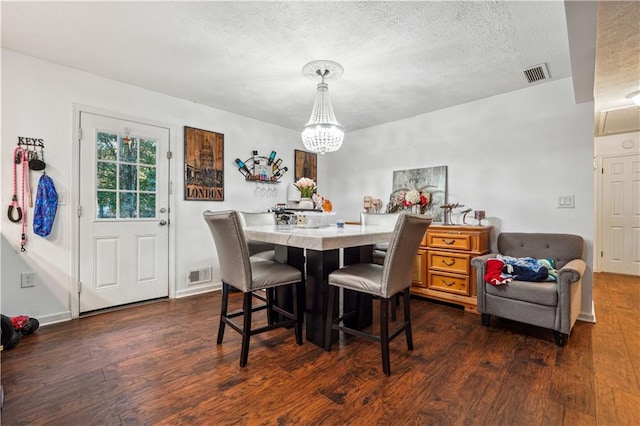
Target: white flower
x=412 y=197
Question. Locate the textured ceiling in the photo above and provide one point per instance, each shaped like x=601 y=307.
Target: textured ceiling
x=618 y=54
x=401 y=59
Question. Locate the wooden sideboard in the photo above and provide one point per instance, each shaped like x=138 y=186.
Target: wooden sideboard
x=443 y=269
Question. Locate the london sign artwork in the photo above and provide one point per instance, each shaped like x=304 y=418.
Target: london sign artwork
x=204 y=165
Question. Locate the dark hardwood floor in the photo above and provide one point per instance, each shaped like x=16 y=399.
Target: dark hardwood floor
x=159 y=364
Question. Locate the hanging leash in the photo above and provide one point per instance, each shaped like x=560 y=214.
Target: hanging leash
x=19 y=157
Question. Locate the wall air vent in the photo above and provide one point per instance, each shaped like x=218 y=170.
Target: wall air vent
x=199 y=276
x=536 y=73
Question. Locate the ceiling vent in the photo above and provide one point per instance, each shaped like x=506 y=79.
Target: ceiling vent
x=536 y=73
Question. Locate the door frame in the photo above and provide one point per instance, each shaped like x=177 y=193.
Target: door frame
x=74 y=199
x=616 y=145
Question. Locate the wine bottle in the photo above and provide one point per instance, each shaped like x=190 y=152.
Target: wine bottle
x=276 y=165
x=272 y=157
x=280 y=172
x=243 y=167
x=255 y=162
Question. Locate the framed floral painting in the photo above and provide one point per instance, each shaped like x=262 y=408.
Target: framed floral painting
x=425 y=188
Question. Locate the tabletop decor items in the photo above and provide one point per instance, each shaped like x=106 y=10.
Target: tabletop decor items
x=307 y=188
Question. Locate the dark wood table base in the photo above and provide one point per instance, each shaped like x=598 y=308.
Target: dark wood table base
x=319 y=264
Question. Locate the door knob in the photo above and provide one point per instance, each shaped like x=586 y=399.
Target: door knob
x=163 y=222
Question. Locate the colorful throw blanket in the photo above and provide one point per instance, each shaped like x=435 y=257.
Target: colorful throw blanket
x=529 y=269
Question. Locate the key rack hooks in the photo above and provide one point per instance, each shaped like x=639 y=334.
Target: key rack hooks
x=34 y=152
x=261 y=169
x=25 y=141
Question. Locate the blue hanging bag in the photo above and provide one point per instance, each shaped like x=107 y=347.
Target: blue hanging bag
x=46 y=206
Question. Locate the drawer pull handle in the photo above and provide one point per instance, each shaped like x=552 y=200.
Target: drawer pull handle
x=448 y=284
x=449 y=242
x=451 y=263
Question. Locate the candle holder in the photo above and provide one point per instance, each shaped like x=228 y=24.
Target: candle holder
x=447 y=208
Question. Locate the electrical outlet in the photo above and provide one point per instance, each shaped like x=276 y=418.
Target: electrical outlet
x=27 y=279
x=62 y=198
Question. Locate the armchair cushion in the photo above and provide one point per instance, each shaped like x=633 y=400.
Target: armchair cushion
x=540 y=293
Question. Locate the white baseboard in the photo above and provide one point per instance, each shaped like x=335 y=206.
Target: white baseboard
x=54 y=318
x=192 y=291
x=589 y=316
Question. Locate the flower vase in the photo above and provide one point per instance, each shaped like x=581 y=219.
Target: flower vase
x=415 y=209
x=306 y=203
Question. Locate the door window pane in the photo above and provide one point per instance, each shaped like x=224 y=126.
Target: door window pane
x=147 y=151
x=129 y=150
x=147 y=205
x=128 y=177
x=106 y=206
x=127 y=204
x=147 y=178
x=107 y=146
x=107 y=175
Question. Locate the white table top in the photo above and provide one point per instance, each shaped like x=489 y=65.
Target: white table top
x=321 y=238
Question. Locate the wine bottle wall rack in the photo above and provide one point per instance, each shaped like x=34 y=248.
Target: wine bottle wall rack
x=261 y=169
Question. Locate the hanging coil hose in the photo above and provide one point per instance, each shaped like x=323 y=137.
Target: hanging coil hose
x=19 y=158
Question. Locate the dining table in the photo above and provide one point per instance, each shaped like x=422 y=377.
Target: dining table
x=316 y=252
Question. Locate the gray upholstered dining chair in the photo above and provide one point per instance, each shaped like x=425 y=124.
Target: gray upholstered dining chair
x=259 y=249
x=383 y=281
x=380 y=249
x=248 y=275
x=379 y=219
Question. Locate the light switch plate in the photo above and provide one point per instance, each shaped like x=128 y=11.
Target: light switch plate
x=566 y=201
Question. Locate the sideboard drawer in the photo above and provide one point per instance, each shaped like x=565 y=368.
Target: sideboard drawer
x=456 y=263
x=449 y=241
x=450 y=283
x=419 y=278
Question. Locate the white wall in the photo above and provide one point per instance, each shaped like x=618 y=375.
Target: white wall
x=511 y=155
x=37 y=101
x=615 y=145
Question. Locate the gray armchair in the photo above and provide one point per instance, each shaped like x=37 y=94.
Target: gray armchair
x=547 y=304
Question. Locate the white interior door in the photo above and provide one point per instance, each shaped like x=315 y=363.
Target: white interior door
x=621 y=215
x=124 y=199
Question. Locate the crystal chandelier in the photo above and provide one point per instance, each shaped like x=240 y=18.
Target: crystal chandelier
x=322 y=133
